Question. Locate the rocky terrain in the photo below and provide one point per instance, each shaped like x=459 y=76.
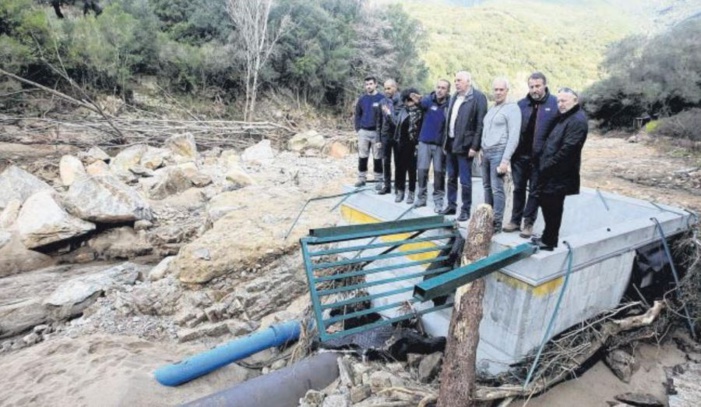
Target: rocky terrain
x=161 y=251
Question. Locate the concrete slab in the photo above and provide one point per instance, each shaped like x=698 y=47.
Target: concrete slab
x=603 y=230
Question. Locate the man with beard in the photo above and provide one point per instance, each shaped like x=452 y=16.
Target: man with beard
x=367 y=117
x=430 y=141
x=538 y=112
x=390 y=105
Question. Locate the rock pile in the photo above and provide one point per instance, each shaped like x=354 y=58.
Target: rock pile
x=218 y=219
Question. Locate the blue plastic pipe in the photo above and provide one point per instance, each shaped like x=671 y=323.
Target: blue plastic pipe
x=203 y=363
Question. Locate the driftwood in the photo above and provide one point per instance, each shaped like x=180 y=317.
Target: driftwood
x=609 y=329
x=95 y=131
x=458 y=374
x=222 y=133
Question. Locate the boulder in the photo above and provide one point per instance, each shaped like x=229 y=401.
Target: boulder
x=182 y=147
x=73 y=296
x=430 y=366
x=154 y=157
x=162 y=297
x=18 y=184
x=337 y=150
x=161 y=270
x=41 y=221
x=9 y=214
x=304 y=140
x=200 y=180
x=120 y=243
x=93 y=155
x=171 y=181
x=260 y=153
x=105 y=199
x=97 y=168
x=128 y=158
x=69 y=169
x=622 y=364
x=15 y=258
x=18 y=316
x=242 y=237
x=239 y=177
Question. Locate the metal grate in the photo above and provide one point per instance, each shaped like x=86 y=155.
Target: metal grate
x=351 y=267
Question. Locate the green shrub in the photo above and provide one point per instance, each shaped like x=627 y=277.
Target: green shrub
x=652 y=126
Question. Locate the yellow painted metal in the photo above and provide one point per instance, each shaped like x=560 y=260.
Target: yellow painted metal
x=354 y=216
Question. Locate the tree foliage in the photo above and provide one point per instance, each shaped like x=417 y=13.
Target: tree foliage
x=657 y=75
x=194 y=47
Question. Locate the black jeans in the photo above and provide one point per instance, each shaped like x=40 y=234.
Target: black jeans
x=389 y=150
x=553 y=207
x=525 y=174
x=405 y=162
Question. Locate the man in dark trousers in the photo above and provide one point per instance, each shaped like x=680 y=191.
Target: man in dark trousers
x=461 y=142
x=367 y=118
x=390 y=107
x=560 y=164
x=538 y=112
x=430 y=150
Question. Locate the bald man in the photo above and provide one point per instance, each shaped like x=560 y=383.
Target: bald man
x=560 y=164
x=502 y=127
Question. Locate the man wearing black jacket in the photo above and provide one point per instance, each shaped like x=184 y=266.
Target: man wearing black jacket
x=390 y=107
x=560 y=164
x=462 y=141
x=538 y=113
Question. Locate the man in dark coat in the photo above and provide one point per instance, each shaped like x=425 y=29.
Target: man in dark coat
x=462 y=141
x=390 y=107
x=560 y=164
x=538 y=112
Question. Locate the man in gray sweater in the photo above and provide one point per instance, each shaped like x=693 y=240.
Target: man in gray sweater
x=502 y=127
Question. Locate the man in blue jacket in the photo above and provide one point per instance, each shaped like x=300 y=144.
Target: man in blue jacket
x=559 y=165
x=367 y=118
x=430 y=148
x=538 y=113
x=461 y=141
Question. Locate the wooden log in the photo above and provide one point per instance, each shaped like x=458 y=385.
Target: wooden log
x=458 y=374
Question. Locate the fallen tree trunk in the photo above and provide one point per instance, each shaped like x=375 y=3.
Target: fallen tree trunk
x=458 y=374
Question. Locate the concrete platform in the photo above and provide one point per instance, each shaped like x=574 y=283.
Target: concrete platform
x=604 y=231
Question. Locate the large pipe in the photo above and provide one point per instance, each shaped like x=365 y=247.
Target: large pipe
x=203 y=363
x=280 y=388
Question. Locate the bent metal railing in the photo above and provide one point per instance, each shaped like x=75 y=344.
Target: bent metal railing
x=350 y=268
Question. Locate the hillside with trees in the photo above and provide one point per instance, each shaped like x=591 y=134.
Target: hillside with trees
x=319 y=50
x=659 y=76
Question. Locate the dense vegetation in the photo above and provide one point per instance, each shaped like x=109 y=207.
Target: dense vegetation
x=657 y=75
x=191 y=47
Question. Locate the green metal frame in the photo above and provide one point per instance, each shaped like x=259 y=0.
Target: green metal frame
x=448 y=282
x=359 y=246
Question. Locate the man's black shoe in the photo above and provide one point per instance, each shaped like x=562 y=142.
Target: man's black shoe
x=543 y=246
x=463 y=216
x=384 y=191
x=447 y=211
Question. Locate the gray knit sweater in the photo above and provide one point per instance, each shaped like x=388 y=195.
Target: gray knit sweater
x=502 y=127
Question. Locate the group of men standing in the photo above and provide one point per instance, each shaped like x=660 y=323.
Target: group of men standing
x=540 y=139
